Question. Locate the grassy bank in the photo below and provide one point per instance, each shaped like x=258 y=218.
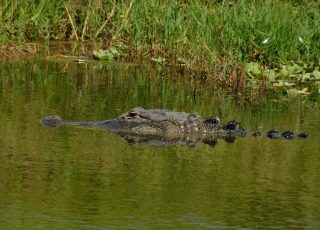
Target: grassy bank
x=216 y=37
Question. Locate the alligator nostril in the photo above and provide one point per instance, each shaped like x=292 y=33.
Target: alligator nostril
x=51 y=121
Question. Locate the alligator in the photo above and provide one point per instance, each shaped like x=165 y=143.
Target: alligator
x=160 y=127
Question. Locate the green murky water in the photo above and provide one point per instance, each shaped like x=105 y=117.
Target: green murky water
x=78 y=178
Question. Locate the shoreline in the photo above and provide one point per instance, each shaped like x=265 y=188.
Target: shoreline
x=249 y=80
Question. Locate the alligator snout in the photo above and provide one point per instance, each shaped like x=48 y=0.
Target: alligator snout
x=51 y=121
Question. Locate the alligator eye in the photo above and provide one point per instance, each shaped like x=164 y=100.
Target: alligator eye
x=133 y=113
x=193 y=116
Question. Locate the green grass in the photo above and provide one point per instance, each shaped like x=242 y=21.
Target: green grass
x=206 y=32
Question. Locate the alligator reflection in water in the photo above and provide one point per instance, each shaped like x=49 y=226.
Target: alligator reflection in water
x=159 y=127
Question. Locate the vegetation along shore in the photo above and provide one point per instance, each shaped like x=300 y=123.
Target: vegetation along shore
x=245 y=45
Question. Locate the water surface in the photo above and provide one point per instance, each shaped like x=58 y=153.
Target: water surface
x=80 y=178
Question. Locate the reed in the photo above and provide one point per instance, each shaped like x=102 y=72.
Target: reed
x=266 y=31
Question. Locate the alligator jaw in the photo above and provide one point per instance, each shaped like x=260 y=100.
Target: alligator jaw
x=115 y=125
x=54 y=121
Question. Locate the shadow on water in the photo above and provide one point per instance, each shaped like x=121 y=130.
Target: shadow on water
x=79 y=178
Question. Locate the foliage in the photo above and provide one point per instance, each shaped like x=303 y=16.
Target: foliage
x=263 y=31
x=211 y=36
x=287 y=77
x=108 y=54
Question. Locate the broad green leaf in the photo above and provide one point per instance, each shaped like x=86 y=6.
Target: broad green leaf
x=181 y=60
x=305 y=77
x=283 y=83
x=114 y=51
x=159 y=60
x=253 y=68
x=284 y=72
x=290 y=70
x=100 y=54
x=316 y=74
x=296 y=92
x=295 y=69
x=270 y=74
x=103 y=54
